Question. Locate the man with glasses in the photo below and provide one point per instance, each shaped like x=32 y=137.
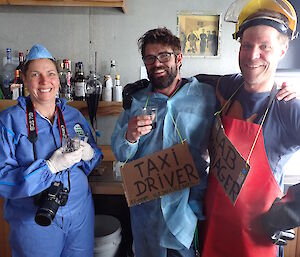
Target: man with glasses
x=165 y=226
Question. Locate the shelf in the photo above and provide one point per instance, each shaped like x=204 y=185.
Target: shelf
x=104 y=108
x=73 y=3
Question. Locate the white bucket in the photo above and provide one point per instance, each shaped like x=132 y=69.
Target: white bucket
x=107 y=236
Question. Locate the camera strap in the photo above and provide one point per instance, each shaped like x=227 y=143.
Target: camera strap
x=32 y=128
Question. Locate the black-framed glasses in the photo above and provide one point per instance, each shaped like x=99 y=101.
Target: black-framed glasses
x=162 y=57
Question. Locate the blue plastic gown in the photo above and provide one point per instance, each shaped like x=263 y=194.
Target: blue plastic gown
x=22 y=177
x=170 y=221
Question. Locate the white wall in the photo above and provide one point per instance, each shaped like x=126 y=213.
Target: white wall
x=76 y=32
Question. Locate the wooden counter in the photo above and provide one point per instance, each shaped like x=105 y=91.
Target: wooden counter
x=104 y=108
x=102 y=180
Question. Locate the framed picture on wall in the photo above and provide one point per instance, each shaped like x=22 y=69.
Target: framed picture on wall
x=199 y=34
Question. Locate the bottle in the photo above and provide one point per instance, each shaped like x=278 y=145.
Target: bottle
x=8 y=74
x=21 y=63
x=17 y=87
x=20 y=69
x=79 y=83
x=68 y=80
x=1 y=95
x=65 y=80
x=107 y=89
x=117 y=90
x=113 y=69
x=60 y=66
x=92 y=97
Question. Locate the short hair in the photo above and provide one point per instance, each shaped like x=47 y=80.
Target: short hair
x=159 y=36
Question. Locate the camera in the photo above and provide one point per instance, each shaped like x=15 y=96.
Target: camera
x=49 y=201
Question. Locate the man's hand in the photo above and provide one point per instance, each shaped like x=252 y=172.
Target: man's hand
x=288 y=92
x=137 y=127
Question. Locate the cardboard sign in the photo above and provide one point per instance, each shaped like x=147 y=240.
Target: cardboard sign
x=228 y=166
x=158 y=174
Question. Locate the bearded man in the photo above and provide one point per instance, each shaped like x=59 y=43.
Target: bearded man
x=165 y=226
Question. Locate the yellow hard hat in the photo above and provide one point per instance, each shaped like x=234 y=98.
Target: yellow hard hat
x=240 y=10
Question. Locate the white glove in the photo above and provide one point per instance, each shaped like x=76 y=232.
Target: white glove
x=63 y=160
x=87 y=151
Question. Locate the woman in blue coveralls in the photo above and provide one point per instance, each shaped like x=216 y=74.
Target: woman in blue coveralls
x=48 y=202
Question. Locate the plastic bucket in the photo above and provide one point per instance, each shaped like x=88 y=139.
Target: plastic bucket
x=107 y=236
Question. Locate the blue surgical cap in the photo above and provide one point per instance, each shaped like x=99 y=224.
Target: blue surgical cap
x=38 y=51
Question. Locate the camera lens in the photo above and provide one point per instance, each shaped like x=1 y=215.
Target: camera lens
x=46 y=213
x=43 y=217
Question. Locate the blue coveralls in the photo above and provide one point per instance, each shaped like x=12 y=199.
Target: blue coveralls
x=22 y=177
x=170 y=221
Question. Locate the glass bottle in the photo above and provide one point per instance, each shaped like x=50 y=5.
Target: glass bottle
x=20 y=69
x=8 y=74
x=92 y=97
x=68 y=75
x=117 y=90
x=79 y=83
x=21 y=63
x=65 y=80
x=107 y=89
x=113 y=69
x=17 y=87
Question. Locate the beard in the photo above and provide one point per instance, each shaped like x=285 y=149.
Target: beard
x=164 y=81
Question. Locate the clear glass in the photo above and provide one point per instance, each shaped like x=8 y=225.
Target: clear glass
x=70 y=144
x=152 y=111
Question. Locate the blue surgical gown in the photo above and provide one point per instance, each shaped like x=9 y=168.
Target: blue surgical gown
x=22 y=177
x=170 y=221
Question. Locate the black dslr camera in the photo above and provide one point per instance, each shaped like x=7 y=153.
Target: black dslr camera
x=49 y=201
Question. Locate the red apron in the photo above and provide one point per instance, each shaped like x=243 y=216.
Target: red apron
x=234 y=230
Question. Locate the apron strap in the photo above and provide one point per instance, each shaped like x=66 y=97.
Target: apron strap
x=263 y=119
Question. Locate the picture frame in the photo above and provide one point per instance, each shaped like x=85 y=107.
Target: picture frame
x=199 y=33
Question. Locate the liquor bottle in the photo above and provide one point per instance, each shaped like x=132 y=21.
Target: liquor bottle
x=79 y=83
x=65 y=80
x=68 y=80
x=1 y=95
x=93 y=93
x=8 y=74
x=117 y=90
x=60 y=69
x=113 y=69
x=17 y=87
x=107 y=89
x=20 y=69
x=21 y=63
